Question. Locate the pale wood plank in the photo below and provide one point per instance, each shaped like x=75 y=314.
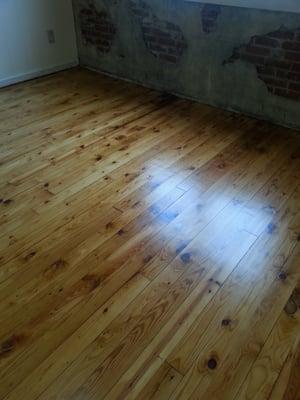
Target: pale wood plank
x=149 y=246
x=282 y=342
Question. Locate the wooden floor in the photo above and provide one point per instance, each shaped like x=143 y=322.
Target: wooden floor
x=149 y=246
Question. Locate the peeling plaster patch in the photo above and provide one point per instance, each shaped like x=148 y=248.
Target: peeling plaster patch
x=209 y=15
x=97 y=28
x=163 y=39
x=276 y=57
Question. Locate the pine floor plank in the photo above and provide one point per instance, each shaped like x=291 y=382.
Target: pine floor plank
x=287 y=386
x=158 y=382
x=149 y=246
x=214 y=366
x=284 y=337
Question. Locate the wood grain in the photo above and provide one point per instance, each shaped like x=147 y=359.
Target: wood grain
x=149 y=246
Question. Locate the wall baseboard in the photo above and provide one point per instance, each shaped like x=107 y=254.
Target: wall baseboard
x=191 y=98
x=36 y=74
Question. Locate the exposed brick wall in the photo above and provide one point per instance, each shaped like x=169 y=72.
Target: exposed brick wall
x=276 y=57
x=97 y=28
x=209 y=16
x=140 y=9
x=163 y=39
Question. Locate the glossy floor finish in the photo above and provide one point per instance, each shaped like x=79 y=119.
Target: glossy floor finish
x=150 y=246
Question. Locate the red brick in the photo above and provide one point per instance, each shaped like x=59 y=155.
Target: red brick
x=293 y=95
x=291 y=76
x=211 y=11
x=150 y=39
x=275 y=63
x=282 y=34
x=165 y=41
x=274 y=82
x=265 y=70
x=209 y=16
x=280 y=92
x=257 y=50
x=296 y=67
x=97 y=28
x=292 y=56
x=87 y=12
x=172 y=27
x=295 y=46
x=253 y=59
x=155 y=31
x=155 y=47
x=140 y=9
x=167 y=57
x=266 y=41
x=279 y=70
x=294 y=86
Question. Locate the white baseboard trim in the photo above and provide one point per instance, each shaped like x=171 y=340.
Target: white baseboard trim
x=36 y=74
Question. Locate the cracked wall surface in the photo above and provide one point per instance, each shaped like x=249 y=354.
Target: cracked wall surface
x=96 y=27
x=240 y=59
x=162 y=38
x=276 y=57
x=209 y=15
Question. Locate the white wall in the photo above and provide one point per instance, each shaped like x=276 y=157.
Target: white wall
x=24 y=48
x=275 y=5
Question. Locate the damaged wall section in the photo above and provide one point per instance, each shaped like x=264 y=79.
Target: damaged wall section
x=97 y=27
x=179 y=47
x=276 y=57
x=162 y=38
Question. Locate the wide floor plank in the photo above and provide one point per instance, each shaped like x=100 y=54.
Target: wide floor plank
x=149 y=246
